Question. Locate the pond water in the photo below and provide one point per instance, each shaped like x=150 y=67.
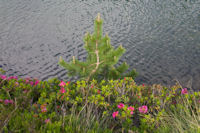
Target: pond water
x=161 y=37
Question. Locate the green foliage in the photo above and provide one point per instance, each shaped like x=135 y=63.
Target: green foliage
x=2 y=71
x=29 y=105
x=184 y=117
x=101 y=60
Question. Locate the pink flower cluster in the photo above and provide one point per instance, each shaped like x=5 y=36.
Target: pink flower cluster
x=62 y=85
x=62 y=90
x=12 y=77
x=115 y=114
x=131 y=109
x=143 y=109
x=37 y=82
x=3 y=77
x=120 y=106
x=6 y=102
x=184 y=91
x=32 y=82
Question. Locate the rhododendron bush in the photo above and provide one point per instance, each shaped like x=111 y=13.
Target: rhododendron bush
x=30 y=105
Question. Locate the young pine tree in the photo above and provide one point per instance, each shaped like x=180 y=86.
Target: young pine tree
x=101 y=58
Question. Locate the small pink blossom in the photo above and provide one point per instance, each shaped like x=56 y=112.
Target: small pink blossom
x=3 y=77
x=11 y=101
x=1 y=100
x=8 y=101
x=62 y=90
x=31 y=83
x=37 y=82
x=121 y=105
x=114 y=114
x=131 y=108
x=143 y=109
x=47 y=121
x=184 y=91
x=62 y=84
x=131 y=112
x=12 y=77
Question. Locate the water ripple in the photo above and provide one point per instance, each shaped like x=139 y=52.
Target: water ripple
x=161 y=37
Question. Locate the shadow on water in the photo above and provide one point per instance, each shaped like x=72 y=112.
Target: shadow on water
x=161 y=37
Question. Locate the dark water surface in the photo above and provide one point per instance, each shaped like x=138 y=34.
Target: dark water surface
x=162 y=37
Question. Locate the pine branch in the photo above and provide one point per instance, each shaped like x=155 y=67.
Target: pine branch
x=101 y=59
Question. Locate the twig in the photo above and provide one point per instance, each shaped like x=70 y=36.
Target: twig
x=97 y=64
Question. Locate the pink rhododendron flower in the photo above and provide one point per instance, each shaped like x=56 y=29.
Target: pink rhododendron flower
x=131 y=108
x=114 y=114
x=62 y=90
x=143 y=109
x=31 y=83
x=121 y=105
x=11 y=101
x=184 y=91
x=47 y=121
x=62 y=84
x=12 y=77
x=37 y=82
x=3 y=77
x=6 y=101
x=131 y=112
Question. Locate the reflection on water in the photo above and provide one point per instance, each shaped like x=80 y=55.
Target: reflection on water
x=162 y=38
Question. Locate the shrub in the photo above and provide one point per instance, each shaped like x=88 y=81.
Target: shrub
x=29 y=105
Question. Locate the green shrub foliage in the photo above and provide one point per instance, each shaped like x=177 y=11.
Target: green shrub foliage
x=101 y=58
x=2 y=71
x=30 y=105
